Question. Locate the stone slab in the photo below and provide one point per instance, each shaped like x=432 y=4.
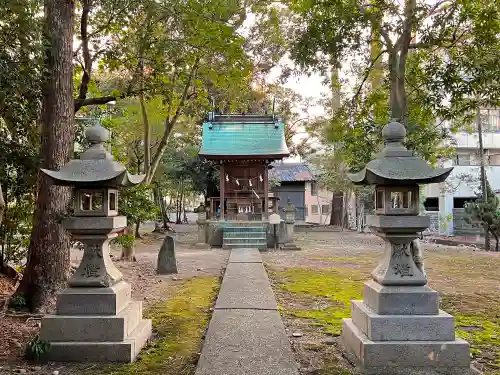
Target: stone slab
x=246 y=286
x=251 y=255
x=246 y=342
x=403 y=327
x=125 y=351
x=94 y=301
x=100 y=328
x=401 y=300
x=400 y=354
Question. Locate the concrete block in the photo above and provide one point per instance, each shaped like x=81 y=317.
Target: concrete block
x=402 y=327
x=100 y=328
x=251 y=255
x=246 y=286
x=125 y=351
x=246 y=342
x=94 y=301
x=404 y=354
x=404 y=300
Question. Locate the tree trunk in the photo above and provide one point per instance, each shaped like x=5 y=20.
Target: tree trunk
x=137 y=234
x=128 y=251
x=48 y=264
x=332 y=210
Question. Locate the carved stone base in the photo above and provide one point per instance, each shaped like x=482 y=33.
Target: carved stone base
x=400 y=330
x=398 y=265
x=96 y=325
x=96 y=268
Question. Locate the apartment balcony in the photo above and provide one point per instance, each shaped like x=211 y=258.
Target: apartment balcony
x=464 y=182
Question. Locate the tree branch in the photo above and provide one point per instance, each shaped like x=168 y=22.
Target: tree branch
x=367 y=74
x=169 y=124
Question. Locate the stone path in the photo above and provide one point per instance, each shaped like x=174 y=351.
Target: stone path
x=246 y=335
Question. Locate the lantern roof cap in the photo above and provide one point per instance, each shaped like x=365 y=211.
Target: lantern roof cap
x=395 y=165
x=96 y=166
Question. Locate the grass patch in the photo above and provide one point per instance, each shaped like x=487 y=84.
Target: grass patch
x=179 y=324
x=335 y=287
x=477 y=321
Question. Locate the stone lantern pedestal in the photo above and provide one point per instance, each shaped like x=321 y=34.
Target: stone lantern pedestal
x=95 y=319
x=398 y=328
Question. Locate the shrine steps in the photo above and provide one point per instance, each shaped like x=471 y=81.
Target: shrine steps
x=244 y=236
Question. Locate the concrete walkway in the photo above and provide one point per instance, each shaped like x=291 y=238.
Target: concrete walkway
x=246 y=335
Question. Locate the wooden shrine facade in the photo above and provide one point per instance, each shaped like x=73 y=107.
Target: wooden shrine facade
x=243 y=146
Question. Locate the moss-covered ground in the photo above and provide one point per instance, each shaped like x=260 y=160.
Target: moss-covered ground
x=179 y=324
x=468 y=285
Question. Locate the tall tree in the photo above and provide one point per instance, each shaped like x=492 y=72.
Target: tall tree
x=48 y=264
x=408 y=62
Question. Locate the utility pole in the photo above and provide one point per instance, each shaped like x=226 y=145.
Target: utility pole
x=484 y=189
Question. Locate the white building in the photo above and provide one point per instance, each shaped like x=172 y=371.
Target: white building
x=445 y=202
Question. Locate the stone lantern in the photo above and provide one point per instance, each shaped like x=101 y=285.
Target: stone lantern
x=95 y=319
x=398 y=328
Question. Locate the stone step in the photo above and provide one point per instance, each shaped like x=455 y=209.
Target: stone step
x=244 y=240
x=374 y=355
x=94 y=301
x=244 y=235
x=259 y=245
x=401 y=300
x=244 y=229
x=101 y=328
x=402 y=327
x=124 y=351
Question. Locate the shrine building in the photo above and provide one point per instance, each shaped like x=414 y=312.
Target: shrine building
x=243 y=147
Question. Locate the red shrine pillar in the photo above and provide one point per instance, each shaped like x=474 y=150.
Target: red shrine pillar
x=266 y=193
x=222 y=190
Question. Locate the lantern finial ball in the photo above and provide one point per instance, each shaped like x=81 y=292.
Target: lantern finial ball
x=97 y=134
x=394 y=132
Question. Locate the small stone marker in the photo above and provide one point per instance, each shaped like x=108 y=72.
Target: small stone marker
x=274 y=219
x=167 y=264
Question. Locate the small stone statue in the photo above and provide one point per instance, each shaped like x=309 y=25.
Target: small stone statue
x=167 y=263
x=416 y=253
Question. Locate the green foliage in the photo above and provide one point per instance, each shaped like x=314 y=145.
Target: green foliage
x=18 y=302
x=179 y=323
x=311 y=284
x=125 y=240
x=37 y=350
x=137 y=204
x=485 y=213
x=445 y=74
x=21 y=72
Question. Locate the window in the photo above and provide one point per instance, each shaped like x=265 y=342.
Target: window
x=380 y=199
x=314 y=189
x=494 y=158
x=306 y=210
x=325 y=209
x=401 y=199
x=462 y=159
x=431 y=204
x=314 y=209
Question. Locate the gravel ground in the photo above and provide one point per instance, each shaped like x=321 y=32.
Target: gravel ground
x=464 y=275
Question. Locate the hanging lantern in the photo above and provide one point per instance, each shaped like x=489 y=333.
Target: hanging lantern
x=237 y=182
x=260 y=178
x=227 y=178
x=249 y=182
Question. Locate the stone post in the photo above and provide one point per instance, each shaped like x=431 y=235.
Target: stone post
x=398 y=328
x=95 y=319
x=289 y=227
x=201 y=221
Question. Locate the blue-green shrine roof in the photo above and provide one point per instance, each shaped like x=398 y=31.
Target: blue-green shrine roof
x=243 y=135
